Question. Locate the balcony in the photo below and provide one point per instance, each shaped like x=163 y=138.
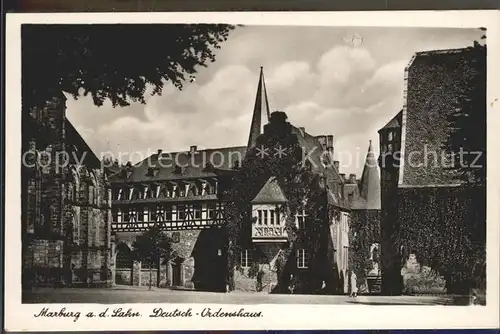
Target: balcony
x=275 y=233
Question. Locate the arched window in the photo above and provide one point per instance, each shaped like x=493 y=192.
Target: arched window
x=94 y=190
x=75 y=185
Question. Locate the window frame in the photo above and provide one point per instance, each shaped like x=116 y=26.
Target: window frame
x=302 y=258
x=245 y=258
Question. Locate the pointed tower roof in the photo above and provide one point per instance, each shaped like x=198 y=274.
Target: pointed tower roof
x=370 y=181
x=261 y=113
x=271 y=192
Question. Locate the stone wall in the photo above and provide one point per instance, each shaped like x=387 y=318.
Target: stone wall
x=57 y=207
x=245 y=282
x=183 y=253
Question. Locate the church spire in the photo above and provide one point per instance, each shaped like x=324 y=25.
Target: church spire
x=370 y=181
x=261 y=113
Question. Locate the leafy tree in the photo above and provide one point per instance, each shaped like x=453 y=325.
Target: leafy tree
x=110 y=62
x=152 y=246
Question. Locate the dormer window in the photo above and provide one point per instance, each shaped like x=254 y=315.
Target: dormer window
x=152 y=171
x=390 y=136
x=208 y=167
x=177 y=169
x=204 y=187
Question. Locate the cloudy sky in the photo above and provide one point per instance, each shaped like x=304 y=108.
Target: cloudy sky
x=317 y=75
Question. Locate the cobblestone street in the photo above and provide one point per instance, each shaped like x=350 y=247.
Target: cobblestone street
x=126 y=294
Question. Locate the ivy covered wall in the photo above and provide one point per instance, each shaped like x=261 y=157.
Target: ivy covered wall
x=302 y=181
x=449 y=236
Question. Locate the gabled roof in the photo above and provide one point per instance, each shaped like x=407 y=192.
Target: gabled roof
x=271 y=192
x=191 y=167
x=395 y=122
x=77 y=147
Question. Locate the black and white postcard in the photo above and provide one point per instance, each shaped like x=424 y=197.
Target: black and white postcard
x=252 y=170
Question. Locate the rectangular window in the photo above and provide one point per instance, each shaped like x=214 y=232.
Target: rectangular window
x=181 y=212
x=133 y=215
x=265 y=216
x=197 y=211
x=272 y=216
x=302 y=260
x=140 y=214
x=210 y=210
x=246 y=258
x=301 y=219
x=168 y=213
x=159 y=213
x=259 y=214
x=126 y=216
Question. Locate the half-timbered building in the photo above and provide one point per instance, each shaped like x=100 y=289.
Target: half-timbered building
x=182 y=193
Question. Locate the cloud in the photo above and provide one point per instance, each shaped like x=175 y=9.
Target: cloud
x=342 y=63
x=323 y=84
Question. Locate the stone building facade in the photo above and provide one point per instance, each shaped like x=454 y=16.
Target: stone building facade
x=66 y=206
x=182 y=193
x=415 y=173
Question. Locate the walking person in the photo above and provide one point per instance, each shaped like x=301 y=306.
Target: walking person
x=292 y=285
x=354 y=286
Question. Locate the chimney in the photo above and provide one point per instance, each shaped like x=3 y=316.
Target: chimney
x=159 y=152
x=322 y=141
x=336 y=164
x=329 y=144
x=352 y=178
x=193 y=149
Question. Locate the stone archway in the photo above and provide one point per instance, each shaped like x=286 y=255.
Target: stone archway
x=124 y=265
